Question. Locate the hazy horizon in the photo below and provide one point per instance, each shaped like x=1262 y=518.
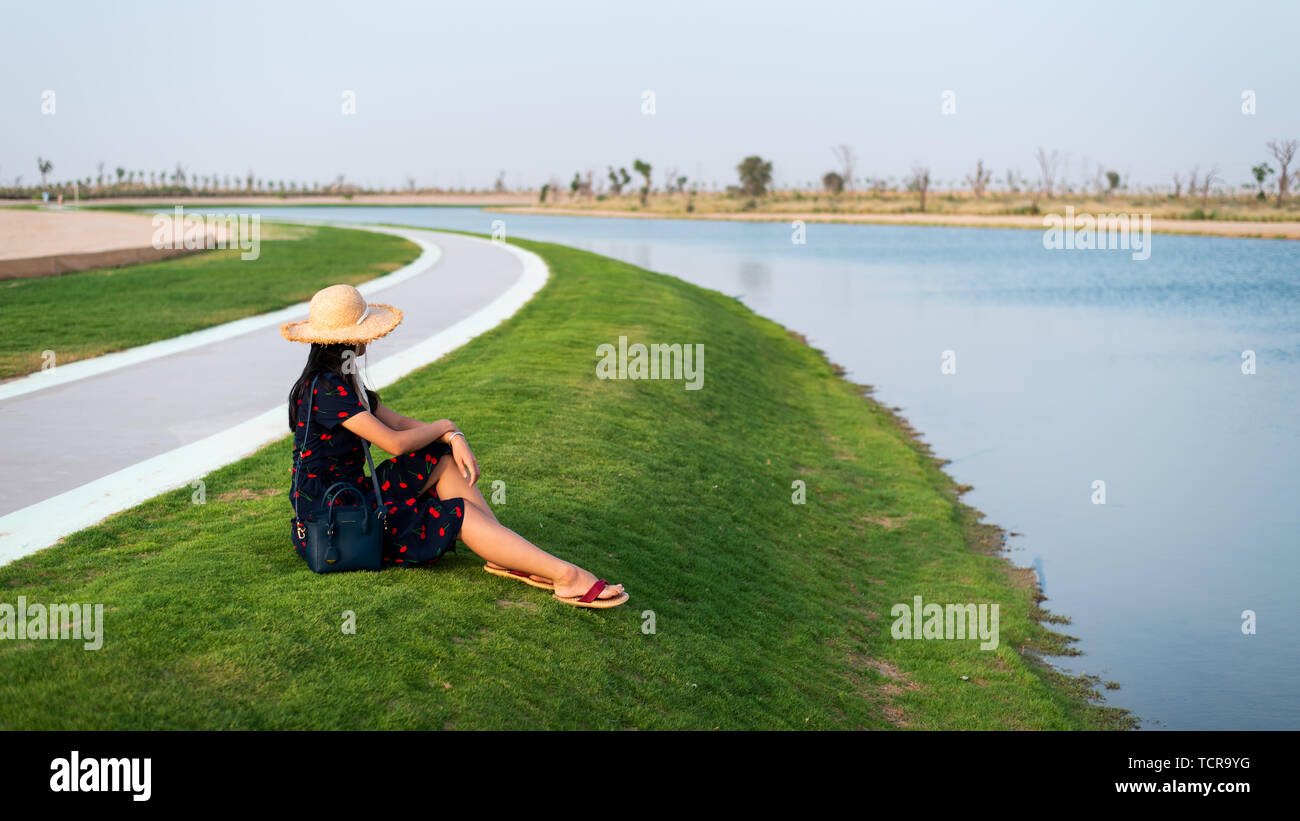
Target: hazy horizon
x=451 y=96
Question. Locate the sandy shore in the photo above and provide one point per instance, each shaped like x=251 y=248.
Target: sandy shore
x=51 y=242
x=40 y=233
x=1217 y=228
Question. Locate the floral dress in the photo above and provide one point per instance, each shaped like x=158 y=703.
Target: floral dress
x=419 y=528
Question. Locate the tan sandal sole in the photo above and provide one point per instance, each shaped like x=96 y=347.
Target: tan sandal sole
x=506 y=574
x=597 y=604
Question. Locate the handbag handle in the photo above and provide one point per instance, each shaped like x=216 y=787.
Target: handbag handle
x=336 y=490
x=365 y=446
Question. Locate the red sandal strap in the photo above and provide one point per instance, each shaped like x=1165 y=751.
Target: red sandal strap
x=591 y=595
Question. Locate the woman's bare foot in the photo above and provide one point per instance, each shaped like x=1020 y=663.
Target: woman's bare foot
x=576 y=582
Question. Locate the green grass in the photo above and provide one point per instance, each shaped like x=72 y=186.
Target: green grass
x=768 y=614
x=91 y=313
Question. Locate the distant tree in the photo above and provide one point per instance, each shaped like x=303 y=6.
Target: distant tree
x=545 y=189
x=1261 y=173
x=1112 y=182
x=670 y=180
x=1178 y=185
x=643 y=168
x=575 y=185
x=1047 y=167
x=45 y=167
x=1283 y=151
x=500 y=184
x=1208 y=180
x=99 y=170
x=919 y=182
x=681 y=183
x=755 y=175
x=847 y=159
x=618 y=179
x=979 y=180
x=410 y=183
x=832 y=182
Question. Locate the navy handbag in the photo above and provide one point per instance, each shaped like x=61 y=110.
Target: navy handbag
x=342 y=537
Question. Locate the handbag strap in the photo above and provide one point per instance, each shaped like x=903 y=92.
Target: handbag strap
x=365 y=447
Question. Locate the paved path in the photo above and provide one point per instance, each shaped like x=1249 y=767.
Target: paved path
x=79 y=450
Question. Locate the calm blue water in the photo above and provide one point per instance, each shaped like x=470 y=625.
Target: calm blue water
x=1072 y=366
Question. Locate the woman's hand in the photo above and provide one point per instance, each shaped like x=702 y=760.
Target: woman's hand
x=465 y=460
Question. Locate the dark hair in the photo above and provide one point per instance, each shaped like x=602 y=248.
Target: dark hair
x=324 y=359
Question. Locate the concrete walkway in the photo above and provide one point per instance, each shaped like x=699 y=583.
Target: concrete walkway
x=80 y=450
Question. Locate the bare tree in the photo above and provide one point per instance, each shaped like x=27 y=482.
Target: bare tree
x=1178 y=185
x=847 y=158
x=1047 y=166
x=1283 y=151
x=45 y=167
x=979 y=180
x=919 y=182
x=1211 y=176
x=670 y=180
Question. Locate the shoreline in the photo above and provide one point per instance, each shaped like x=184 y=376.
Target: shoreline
x=1206 y=228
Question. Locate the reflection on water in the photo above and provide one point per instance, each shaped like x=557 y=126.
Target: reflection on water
x=1072 y=367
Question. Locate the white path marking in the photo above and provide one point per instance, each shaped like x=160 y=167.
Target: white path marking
x=62 y=374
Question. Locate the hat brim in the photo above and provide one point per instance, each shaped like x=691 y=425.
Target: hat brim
x=380 y=322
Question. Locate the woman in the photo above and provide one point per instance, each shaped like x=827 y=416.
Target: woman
x=429 y=487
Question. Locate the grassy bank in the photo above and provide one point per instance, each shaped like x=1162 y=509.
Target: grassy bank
x=767 y=614
x=90 y=313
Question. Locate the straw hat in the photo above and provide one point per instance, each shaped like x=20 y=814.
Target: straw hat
x=339 y=315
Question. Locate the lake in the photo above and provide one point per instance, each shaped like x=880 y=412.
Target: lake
x=1071 y=367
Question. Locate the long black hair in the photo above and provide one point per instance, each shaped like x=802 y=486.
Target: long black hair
x=326 y=359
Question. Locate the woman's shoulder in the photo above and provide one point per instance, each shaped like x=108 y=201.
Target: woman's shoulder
x=334 y=398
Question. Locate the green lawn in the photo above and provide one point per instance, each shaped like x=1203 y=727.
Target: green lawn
x=768 y=614
x=90 y=313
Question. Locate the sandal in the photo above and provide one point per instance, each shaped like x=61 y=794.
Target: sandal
x=521 y=576
x=589 y=599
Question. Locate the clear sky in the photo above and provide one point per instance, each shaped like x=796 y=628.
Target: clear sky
x=450 y=94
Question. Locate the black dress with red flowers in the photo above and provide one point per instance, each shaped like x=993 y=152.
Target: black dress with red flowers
x=419 y=528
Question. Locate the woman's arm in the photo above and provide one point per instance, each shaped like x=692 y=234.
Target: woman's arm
x=396 y=421
x=371 y=427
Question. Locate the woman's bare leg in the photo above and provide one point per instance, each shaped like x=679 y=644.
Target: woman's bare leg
x=502 y=547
